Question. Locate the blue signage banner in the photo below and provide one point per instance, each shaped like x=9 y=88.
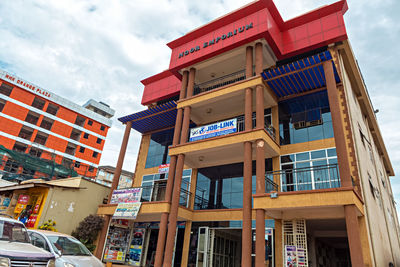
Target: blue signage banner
x=212 y=130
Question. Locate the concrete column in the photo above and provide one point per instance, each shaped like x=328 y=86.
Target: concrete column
x=186 y=243
x=338 y=127
x=353 y=236
x=260 y=213
x=275 y=122
x=164 y=216
x=279 y=261
x=171 y=177
x=246 y=230
x=190 y=87
x=102 y=237
x=173 y=217
x=249 y=62
x=184 y=84
x=120 y=162
x=185 y=125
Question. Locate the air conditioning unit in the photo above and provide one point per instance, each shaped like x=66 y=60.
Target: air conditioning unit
x=313 y=123
x=299 y=125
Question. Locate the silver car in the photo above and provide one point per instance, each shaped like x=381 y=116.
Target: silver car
x=69 y=252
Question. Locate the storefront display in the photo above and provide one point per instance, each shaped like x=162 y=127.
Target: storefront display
x=136 y=247
x=117 y=241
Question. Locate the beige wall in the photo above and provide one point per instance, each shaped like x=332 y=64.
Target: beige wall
x=379 y=208
x=69 y=206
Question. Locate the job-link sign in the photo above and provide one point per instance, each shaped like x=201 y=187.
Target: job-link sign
x=212 y=130
x=217 y=39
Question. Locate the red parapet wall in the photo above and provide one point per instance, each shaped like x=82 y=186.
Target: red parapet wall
x=257 y=20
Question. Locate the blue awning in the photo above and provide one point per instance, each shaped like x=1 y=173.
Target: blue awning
x=299 y=76
x=155 y=118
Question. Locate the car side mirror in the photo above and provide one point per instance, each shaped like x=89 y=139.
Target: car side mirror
x=59 y=253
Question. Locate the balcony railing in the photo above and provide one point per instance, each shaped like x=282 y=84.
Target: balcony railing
x=219 y=82
x=156 y=192
x=310 y=178
x=240 y=125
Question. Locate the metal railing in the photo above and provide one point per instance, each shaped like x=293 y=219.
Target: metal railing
x=309 y=178
x=156 y=192
x=240 y=125
x=219 y=82
x=270 y=185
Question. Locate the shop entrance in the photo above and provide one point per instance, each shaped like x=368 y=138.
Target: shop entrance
x=222 y=247
x=328 y=244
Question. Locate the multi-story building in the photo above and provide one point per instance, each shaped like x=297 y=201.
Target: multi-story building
x=105 y=176
x=274 y=151
x=44 y=125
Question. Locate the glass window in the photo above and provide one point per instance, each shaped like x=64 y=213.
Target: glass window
x=158 y=148
x=305 y=173
x=39 y=241
x=305 y=118
x=11 y=231
x=68 y=246
x=221 y=187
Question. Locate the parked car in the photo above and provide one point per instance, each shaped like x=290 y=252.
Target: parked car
x=16 y=249
x=68 y=251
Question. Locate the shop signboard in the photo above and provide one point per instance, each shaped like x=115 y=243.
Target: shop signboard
x=21 y=204
x=129 y=195
x=212 y=130
x=163 y=168
x=127 y=211
x=290 y=256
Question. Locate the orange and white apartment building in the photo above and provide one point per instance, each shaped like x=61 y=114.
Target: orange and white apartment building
x=47 y=126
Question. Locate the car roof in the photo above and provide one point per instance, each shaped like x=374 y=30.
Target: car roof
x=48 y=233
x=5 y=218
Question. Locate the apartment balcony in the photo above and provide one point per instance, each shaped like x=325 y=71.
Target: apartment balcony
x=228 y=148
x=224 y=97
x=312 y=192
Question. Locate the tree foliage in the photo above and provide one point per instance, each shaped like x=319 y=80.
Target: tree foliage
x=88 y=230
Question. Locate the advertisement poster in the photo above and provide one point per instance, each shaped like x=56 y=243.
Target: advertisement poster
x=37 y=204
x=21 y=204
x=136 y=249
x=127 y=211
x=163 y=168
x=130 y=195
x=114 y=255
x=301 y=257
x=212 y=130
x=290 y=256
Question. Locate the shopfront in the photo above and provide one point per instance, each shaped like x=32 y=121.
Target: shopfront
x=24 y=204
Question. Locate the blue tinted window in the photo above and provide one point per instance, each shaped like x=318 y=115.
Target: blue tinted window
x=302 y=156
x=305 y=118
x=332 y=152
x=158 y=149
x=318 y=154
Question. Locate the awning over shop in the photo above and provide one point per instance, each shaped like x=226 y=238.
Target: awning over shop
x=158 y=117
x=300 y=76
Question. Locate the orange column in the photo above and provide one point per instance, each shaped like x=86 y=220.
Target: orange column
x=338 y=128
x=260 y=162
x=171 y=177
x=353 y=236
x=120 y=162
x=247 y=167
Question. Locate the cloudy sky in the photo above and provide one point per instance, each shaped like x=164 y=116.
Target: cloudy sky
x=101 y=49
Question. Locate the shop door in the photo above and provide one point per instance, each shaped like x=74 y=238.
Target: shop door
x=203 y=247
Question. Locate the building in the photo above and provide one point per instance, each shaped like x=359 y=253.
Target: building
x=105 y=176
x=53 y=200
x=41 y=124
x=274 y=153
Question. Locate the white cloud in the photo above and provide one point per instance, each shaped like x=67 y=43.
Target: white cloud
x=102 y=49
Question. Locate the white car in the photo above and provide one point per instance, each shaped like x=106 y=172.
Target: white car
x=15 y=248
x=69 y=252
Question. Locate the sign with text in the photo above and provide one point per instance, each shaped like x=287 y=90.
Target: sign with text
x=212 y=130
x=129 y=195
x=164 y=168
x=127 y=211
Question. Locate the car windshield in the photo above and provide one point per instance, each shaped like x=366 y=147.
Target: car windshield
x=68 y=246
x=13 y=232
